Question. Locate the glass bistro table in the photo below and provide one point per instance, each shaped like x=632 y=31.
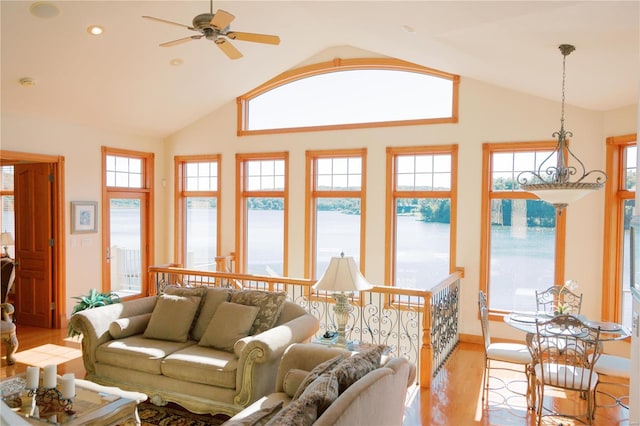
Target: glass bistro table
x=526 y=321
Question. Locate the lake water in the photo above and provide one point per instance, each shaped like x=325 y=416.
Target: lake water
x=522 y=259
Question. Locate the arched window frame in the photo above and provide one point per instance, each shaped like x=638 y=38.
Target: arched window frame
x=344 y=65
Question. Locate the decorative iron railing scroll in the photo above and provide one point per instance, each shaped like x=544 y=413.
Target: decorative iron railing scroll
x=420 y=325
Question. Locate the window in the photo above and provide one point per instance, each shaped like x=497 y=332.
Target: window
x=262 y=205
x=349 y=94
x=198 y=203
x=522 y=238
x=8 y=218
x=335 y=217
x=620 y=202
x=421 y=212
x=127 y=220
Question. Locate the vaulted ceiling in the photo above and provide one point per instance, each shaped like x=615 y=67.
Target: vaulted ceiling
x=123 y=81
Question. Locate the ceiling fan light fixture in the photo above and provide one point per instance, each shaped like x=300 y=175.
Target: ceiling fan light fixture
x=552 y=182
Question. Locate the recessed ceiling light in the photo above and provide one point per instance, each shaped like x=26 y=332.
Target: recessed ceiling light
x=95 y=29
x=44 y=9
x=27 y=82
x=176 y=62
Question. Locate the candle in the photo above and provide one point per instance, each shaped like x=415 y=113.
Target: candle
x=68 y=386
x=33 y=377
x=50 y=376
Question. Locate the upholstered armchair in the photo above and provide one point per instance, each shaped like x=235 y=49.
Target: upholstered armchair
x=9 y=332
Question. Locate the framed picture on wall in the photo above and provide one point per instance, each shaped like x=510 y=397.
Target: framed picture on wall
x=84 y=217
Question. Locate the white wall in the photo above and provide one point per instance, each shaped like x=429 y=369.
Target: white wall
x=487 y=114
x=81 y=148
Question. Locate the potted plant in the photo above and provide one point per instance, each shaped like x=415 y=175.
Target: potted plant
x=94 y=299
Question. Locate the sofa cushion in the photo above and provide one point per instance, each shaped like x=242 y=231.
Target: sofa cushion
x=357 y=366
x=292 y=381
x=231 y=322
x=199 y=364
x=213 y=297
x=317 y=371
x=125 y=327
x=270 y=305
x=172 y=317
x=138 y=353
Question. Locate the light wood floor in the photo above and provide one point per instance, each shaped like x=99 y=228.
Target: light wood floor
x=455 y=398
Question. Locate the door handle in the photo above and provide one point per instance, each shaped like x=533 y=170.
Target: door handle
x=108 y=255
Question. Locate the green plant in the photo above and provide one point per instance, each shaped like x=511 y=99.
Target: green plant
x=94 y=299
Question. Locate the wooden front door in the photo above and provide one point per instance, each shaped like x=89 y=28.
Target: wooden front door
x=34 y=240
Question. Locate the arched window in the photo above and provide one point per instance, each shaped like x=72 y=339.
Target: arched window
x=350 y=93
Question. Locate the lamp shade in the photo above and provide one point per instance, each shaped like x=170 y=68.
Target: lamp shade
x=6 y=239
x=342 y=274
x=563 y=193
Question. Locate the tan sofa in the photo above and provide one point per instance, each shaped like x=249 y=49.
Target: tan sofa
x=377 y=398
x=212 y=378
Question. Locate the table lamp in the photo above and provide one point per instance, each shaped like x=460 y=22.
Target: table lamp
x=342 y=278
x=6 y=239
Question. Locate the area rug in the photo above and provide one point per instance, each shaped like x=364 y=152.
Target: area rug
x=175 y=415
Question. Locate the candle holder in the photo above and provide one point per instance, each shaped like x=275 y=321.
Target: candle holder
x=51 y=400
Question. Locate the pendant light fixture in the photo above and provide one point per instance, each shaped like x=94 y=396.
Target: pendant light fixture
x=552 y=182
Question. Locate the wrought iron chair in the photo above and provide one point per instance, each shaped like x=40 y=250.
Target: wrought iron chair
x=614 y=366
x=564 y=352
x=557 y=295
x=513 y=353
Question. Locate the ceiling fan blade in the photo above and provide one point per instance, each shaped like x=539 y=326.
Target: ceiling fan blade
x=228 y=49
x=180 y=41
x=168 y=22
x=222 y=19
x=256 y=38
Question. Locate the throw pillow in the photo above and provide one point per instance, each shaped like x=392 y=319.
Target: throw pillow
x=125 y=327
x=301 y=412
x=189 y=291
x=292 y=381
x=211 y=300
x=172 y=317
x=357 y=366
x=270 y=305
x=318 y=370
x=257 y=418
x=323 y=390
x=316 y=398
x=230 y=323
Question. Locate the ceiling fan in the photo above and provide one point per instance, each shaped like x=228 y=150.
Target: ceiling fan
x=215 y=27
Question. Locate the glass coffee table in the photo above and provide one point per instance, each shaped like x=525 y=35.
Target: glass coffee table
x=93 y=404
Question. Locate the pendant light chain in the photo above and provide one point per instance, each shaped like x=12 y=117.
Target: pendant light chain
x=552 y=182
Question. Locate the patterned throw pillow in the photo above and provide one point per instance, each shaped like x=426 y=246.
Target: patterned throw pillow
x=317 y=371
x=270 y=305
x=301 y=412
x=357 y=366
x=316 y=398
x=323 y=390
